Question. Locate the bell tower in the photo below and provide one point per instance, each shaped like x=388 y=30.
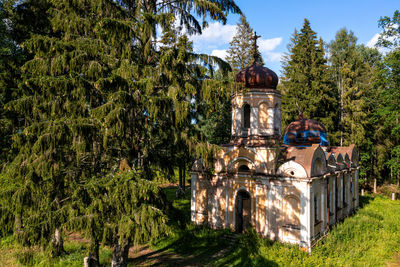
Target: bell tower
x=256 y=110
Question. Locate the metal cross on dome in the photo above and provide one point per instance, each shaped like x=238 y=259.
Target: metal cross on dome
x=255 y=55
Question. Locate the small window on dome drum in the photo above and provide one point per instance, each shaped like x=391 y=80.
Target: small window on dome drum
x=246 y=116
x=243 y=168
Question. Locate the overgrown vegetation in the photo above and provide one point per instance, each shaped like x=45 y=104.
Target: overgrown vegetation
x=100 y=98
x=371 y=237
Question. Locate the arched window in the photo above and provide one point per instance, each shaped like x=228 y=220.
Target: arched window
x=246 y=116
x=243 y=168
x=291 y=209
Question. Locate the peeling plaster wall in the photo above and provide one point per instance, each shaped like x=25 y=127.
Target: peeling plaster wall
x=276 y=202
x=265 y=113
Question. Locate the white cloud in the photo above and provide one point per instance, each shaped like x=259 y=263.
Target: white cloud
x=269 y=44
x=216 y=38
x=221 y=53
x=215 y=35
x=272 y=56
x=371 y=43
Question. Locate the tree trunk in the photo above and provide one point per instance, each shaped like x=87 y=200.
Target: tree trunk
x=180 y=191
x=17 y=225
x=93 y=259
x=375 y=186
x=183 y=177
x=58 y=244
x=119 y=255
x=180 y=177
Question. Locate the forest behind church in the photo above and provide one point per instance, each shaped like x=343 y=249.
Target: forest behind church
x=100 y=99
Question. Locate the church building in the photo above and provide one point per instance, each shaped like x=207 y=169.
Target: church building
x=291 y=190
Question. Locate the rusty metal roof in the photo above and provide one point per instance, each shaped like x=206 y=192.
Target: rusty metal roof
x=303 y=156
x=257 y=76
x=302 y=124
x=350 y=150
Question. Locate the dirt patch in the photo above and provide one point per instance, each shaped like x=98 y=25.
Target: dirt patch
x=395 y=262
x=173 y=185
x=144 y=256
x=77 y=237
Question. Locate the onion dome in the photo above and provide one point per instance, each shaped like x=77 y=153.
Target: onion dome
x=305 y=132
x=257 y=76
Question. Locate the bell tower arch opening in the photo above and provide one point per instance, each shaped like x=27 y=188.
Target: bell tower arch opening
x=246 y=116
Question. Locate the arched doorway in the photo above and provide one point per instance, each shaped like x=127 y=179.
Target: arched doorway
x=243 y=211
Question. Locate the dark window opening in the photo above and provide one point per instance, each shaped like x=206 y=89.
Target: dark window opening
x=246 y=114
x=315 y=209
x=243 y=168
x=336 y=195
x=329 y=197
x=344 y=192
x=351 y=187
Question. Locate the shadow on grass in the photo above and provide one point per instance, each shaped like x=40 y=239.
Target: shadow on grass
x=201 y=246
x=196 y=245
x=364 y=200
x=192 y=245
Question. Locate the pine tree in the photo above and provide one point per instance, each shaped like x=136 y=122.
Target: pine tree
x=241 y=50
x=305 y=85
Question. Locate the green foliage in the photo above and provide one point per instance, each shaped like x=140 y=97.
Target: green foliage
x=306 y=85
x=352 y=76
x=387 y=116
x=390 y=36
x=241 y=50
x=94 y=90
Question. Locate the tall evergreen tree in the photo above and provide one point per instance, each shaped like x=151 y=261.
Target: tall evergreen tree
x=96 y=92
x=306 y=85
x=241 y=49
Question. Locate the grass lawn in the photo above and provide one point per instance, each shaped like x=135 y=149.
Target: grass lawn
x=369 y=238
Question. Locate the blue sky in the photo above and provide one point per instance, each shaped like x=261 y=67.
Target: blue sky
x=275 y=21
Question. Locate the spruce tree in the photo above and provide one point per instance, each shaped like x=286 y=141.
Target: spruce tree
x=241 y=49
x=96 y=92
x=305 y=85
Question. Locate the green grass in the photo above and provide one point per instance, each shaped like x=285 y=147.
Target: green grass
x=13 y=254
x=371 y=237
